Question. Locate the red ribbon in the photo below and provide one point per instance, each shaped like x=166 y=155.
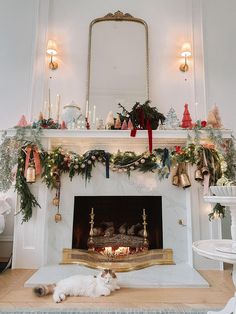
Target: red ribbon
x=148 y=126
x=133 y=132
x=36 y=160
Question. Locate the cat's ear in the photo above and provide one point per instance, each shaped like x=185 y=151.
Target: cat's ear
x=112 y=273
x=104 y=272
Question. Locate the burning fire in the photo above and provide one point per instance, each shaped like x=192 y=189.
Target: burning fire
x=120 y=251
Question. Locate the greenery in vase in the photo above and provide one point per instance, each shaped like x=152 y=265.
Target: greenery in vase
x=141 y=115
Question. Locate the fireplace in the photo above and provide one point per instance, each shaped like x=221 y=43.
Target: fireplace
x=123 y=230
x=118 y=223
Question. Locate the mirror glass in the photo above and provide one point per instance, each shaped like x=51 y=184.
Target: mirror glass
x=117 y=64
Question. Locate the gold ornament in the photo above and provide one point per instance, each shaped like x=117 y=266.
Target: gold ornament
x=31 y=174
x=58 y=217
x=205 y=170
x=198 y=175
x=184 y=180
x=175 y=180
x=56 y=201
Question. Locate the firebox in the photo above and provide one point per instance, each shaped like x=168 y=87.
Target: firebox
x=118 y=223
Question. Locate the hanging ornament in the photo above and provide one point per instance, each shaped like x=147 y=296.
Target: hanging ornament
x=33 y=160
x=56 y=201
x=58 y=217
x=31 y=173
x=198 y=176
x=184 y=181
x=175 y=179
x=186 y=121
x=171 y=121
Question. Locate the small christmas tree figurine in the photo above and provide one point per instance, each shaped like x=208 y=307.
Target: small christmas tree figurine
x=186 y=121
x=171 y=121
x=118 y=123
x=213 y=118
x=22 y=122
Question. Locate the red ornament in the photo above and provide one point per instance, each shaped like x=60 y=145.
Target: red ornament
x=186 y=121
x=177 y=149
x=203 y=124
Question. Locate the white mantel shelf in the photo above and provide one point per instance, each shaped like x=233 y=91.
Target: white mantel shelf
x=117 y=138
x=161 y=134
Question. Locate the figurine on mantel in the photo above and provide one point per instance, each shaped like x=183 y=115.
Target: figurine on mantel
x=187 y=120
x=171 y=122
x=22 y=122
x=109 y=121
x=213 y=118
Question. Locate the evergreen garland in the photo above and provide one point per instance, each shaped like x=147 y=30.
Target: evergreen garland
x=27 y=199
x=57 y=162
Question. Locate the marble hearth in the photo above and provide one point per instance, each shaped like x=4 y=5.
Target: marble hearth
x=41 y=241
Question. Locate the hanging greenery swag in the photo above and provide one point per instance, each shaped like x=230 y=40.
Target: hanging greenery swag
x=58 y=162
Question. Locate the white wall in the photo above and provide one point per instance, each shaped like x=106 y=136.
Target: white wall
x=17 y=35
x=170 y=24
x=219 y=29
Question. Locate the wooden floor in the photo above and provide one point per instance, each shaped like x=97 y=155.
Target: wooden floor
x=14 y=295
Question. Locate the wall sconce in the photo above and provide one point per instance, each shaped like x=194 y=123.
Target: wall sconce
x=52 y=51
x=185 y=52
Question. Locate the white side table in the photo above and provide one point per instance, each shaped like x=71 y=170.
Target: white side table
x=222 y=250
x=215 y=249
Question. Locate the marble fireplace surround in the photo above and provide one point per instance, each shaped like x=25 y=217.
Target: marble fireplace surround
x=41 y=241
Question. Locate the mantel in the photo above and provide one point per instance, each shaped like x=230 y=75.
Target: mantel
x=104 y=139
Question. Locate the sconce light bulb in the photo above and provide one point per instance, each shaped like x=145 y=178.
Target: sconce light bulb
x=52 y=51
x=186 y=53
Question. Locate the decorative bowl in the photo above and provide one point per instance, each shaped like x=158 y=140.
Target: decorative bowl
x=226 y=190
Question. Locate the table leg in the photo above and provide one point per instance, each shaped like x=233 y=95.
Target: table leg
x=228 y=309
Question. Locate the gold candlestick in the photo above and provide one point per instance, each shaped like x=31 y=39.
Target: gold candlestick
x=90 y=240
x=145 y=241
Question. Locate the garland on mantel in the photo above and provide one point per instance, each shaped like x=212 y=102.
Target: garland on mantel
x=58 y=162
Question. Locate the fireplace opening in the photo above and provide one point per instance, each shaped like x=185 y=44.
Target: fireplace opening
x=118 y=224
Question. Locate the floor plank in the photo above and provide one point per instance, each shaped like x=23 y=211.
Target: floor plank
x=14 y=295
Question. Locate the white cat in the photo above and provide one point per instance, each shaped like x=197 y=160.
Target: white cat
x=80 y=285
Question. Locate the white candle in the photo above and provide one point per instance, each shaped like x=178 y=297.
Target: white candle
x=58 y=100
x=49 y=103
x=45 y=106
x=196 y=111
x=86 y=109
x=89 y=115
x=94 y=114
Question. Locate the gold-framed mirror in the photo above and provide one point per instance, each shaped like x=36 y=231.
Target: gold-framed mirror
x=118 y=64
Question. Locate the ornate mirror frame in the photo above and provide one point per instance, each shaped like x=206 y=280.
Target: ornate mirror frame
x=117 y=16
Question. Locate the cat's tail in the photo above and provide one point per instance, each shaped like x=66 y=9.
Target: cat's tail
x=43 y=290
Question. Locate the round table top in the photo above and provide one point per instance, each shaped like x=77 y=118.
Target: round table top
x=219 y=250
